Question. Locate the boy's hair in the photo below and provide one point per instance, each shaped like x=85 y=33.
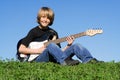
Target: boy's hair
x=46 y=12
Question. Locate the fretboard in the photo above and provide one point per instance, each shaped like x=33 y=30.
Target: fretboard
x=64 y=38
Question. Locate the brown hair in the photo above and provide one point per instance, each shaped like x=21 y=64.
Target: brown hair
x=47 y=12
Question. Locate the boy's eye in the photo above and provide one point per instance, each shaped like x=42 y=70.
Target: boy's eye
x=44 y=16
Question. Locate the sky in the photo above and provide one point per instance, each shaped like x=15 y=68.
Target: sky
x=17 y=17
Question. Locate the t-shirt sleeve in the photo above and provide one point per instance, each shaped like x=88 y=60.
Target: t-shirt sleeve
x=57 y=37
x=26 y=40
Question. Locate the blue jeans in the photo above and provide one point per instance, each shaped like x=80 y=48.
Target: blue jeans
x=76 y=49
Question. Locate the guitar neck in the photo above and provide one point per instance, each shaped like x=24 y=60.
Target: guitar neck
x=64 y=38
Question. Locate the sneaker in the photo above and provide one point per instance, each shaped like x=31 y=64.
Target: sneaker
x=71 y=62
x=94 y=60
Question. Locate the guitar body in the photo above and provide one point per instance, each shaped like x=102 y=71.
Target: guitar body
x=35 y=45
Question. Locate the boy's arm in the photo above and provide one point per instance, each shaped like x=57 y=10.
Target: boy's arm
x=25 y=50
x=70 y=40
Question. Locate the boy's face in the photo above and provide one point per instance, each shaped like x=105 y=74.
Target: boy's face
x=44 y=21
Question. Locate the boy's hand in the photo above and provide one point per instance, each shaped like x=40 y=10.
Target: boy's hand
x=70 y=40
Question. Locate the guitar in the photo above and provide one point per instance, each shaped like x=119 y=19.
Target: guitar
x=36 y=45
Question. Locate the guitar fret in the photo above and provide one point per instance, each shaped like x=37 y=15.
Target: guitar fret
x=64 y=38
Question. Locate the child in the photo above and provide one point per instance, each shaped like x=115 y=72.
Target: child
x=52 y=51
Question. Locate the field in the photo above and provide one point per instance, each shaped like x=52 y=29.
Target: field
x=14 y=70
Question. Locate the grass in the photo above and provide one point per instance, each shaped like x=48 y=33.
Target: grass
x=14 y=70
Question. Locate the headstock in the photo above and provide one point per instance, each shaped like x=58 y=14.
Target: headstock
x=92 y=32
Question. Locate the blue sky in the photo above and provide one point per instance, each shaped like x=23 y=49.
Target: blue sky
x=17 y=17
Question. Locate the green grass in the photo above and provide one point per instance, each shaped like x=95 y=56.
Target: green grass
x=14 y=70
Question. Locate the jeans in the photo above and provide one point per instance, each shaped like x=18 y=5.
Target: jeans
x=76 y=49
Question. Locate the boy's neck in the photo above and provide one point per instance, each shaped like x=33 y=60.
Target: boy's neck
x=43 y=27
